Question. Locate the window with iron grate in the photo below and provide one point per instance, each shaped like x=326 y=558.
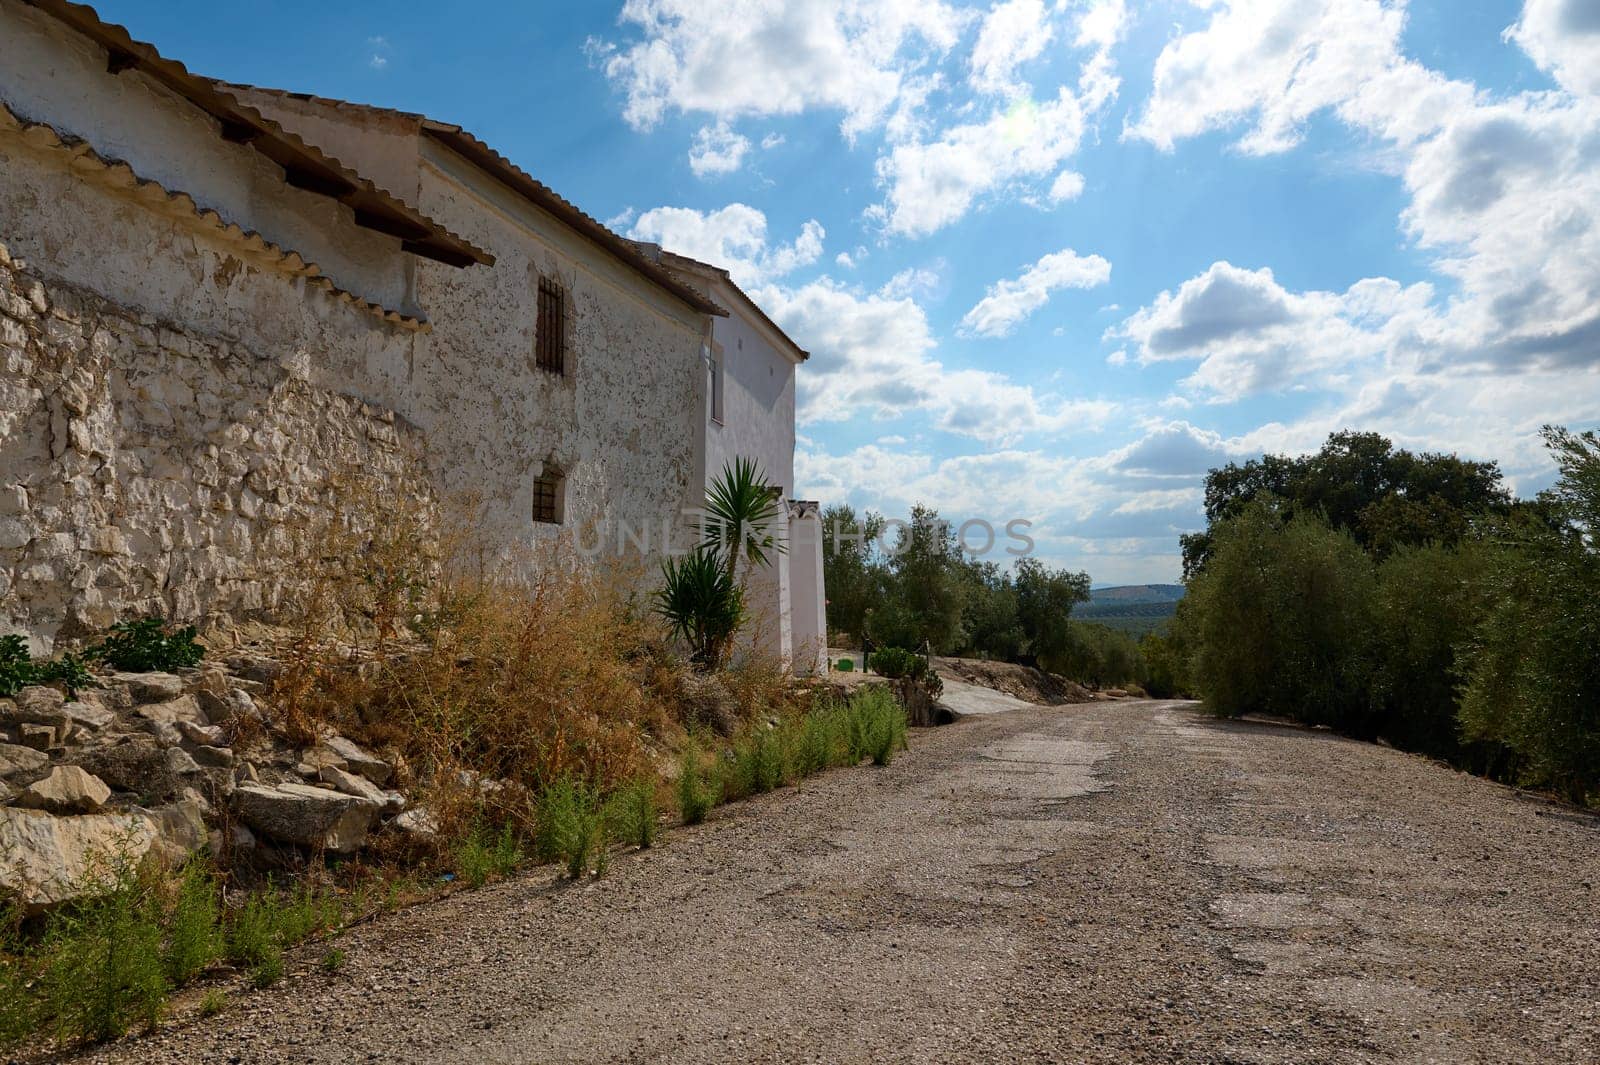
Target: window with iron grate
x=547 y=501
x=550 y=331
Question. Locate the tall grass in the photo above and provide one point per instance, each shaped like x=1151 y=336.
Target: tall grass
x=571 y=828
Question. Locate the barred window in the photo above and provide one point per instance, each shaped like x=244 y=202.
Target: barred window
x=550 y=339
x=547 y=501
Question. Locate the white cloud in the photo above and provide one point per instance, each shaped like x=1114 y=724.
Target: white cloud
x=871 y=353
x=733 y=237
x=914 y=281
x=771 y=141
x=728 y=58
x=378 y=52
x=1250 y=335
x=931 y=181
x=717 y=150
x=1013 y=33
x=1068 y=185
x=1506 y=193
x=845 y=260
x=1563 y=37
x=1009 y=302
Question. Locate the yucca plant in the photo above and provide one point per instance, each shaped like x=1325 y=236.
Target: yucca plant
x=741 y=515
x=702 y=603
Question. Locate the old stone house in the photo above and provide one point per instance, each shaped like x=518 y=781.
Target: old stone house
x=219 y=300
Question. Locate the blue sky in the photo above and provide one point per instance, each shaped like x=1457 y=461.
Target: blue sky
x=1054 y=258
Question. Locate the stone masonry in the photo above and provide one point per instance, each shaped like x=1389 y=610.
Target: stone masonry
x=148 y=469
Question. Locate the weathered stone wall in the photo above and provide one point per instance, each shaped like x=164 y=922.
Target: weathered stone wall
x=150 y=468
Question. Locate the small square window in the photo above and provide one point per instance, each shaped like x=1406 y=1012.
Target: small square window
x=549 y=331
x=547 y=497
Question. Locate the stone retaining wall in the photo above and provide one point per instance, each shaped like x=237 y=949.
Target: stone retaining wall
x=148 y=469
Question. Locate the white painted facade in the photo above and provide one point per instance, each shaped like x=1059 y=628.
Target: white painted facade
x=748 y=411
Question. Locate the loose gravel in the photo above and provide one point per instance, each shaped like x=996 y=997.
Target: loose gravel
x=1111 y=882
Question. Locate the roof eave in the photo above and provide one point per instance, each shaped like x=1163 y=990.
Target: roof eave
x=304 y=165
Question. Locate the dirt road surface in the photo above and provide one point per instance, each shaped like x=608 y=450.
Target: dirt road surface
x=1104 y=882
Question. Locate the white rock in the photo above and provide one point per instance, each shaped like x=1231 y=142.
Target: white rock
x=51 y=859
x=15 y=760
x=359 y=759
x=88 y=715
x=307 y=816
x=183 y=708
x=67 y=790
x=150 y=687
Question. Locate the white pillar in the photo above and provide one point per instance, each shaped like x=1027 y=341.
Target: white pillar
x=807 y=597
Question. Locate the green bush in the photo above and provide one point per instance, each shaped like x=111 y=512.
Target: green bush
x=252 y=940
x=896 y=662
x=876 y=726
x=571 y=829
x=698 y=791
x=1533 y=684
x=146 y=645
x=101 y=968
x=484 y=855
x=757 y=764
x=194 y=933
x=631 y=813
x=16 y=665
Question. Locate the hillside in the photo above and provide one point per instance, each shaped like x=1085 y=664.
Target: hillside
x=1133 y=608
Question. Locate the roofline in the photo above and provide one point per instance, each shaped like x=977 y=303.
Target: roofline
x=547 y=199
x=481 y=155
x=304 y=165
x=720 y=274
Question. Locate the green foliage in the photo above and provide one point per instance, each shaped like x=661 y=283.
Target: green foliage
x=631 y=814
x=875 y=727
x=146 y=645
x=270 y=921
x=1096 y=655
x=16 y=666
x=701 y=603
x=485 y=855
x=1285 y=622
x=1533 y=681
x=741 y=512
x=1358 y=483
x=855 y=576
x=19 y=670
x=757 y=764
x=1166 y=673
x=194 y=934
x=897 y=662
x=102 y=959
x=213 y=1002
x=333 y=961
x=571 y=828
x=698 y=791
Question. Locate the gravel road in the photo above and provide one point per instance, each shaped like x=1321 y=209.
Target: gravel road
x=1122 y=881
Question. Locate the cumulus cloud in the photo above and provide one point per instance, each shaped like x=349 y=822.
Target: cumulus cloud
x=1013 y=33
x=728 y=58
x=932 y=181
x=1011 y=301
x=1563 y=37
x=732 y=237
x=1504 y=192
x=872 y=354
x=1251 y=335
x=717 y=150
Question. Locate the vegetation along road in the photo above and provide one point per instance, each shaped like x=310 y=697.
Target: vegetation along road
x=1105 y=882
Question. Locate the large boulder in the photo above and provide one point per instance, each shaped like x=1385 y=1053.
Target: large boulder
x=137 y=764
x=306 y=816
x=46 y=860
x=16 y=761
x=180 y=829
x=150 y=687
x=67 y=790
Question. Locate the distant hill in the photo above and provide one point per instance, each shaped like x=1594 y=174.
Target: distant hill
x=1137 y=593
x=1133 y=608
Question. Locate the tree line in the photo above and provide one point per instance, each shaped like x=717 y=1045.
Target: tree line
x=921 y=590
x=1407 y=598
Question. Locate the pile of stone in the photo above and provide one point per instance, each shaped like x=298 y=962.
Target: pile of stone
x=161 y=765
